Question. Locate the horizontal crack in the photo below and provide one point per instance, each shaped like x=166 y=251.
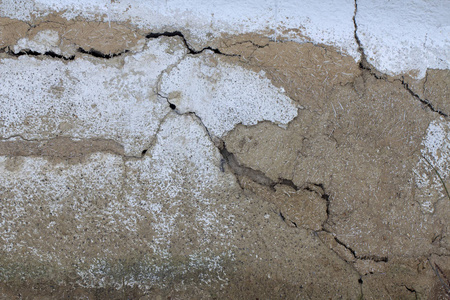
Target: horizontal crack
x=191 y=50
x=34 y=53
x=374 y=258
x=98 y=54
x=364 y=65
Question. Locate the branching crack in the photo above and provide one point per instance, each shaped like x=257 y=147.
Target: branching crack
x=364 y=65
x=239 y=170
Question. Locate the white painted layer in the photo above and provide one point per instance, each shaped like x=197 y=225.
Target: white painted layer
x=403 y=36
x=224 y=95
x=328 y=22
x=398 y=36
x=86 y=98
x=183 y=165
x=435 y=157
x=43 y=41
x=177 y=185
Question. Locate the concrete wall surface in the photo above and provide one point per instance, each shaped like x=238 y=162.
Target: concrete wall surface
x=224 y=149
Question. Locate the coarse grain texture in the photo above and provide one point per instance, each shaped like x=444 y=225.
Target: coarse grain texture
x=260 y=150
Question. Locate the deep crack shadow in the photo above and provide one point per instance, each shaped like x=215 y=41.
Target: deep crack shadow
x=425 y=102
x=191 y=50
x=98 y=54
x=35 y=53
x=365 y=66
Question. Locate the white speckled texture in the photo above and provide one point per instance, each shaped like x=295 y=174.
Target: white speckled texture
x=220 y=94
x=107 y=192
x=213 y=17
x=435 y=158
x=237 y=152
x=404 y=36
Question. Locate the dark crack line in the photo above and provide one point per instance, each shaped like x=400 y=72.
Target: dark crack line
x=238 y=170
x=99 y=54
x=374 y=258
x=364 y=65
x=34 y=53
x=363 y=59
x=349 y=263
x=257 y=46
x=191 y=50
x=425 y=102
x=411 y=290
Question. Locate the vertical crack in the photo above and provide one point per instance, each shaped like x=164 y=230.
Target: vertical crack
x=363 y=59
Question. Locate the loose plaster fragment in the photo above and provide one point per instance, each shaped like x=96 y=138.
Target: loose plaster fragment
x=11 y=31
x=42 y=42
x=107 y=38
x=170 y=220
x=87 y=98
x=223 y=95
x=57 y=35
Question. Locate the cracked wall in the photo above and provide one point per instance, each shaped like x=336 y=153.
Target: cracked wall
x=212 y=151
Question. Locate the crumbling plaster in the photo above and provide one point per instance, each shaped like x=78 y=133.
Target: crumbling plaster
x=264 y=149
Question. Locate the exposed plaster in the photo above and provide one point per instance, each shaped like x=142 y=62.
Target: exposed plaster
x=363 y=61
x=218 y=156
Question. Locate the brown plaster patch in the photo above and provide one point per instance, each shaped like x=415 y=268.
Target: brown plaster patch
x=60 y=147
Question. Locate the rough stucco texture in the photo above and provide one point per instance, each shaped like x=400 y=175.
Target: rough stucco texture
x=207 y=151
